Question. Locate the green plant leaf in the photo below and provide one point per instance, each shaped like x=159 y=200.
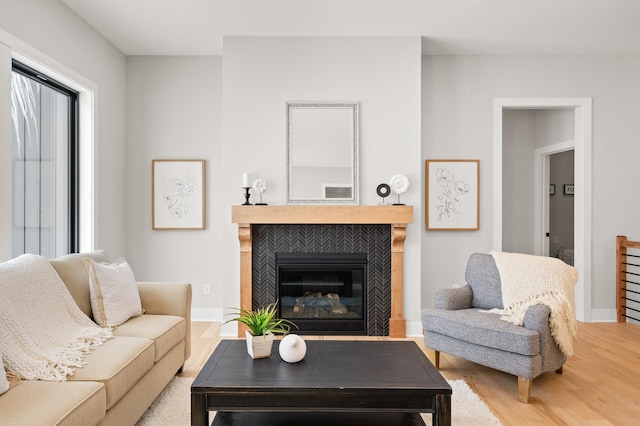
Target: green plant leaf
x=263 y=320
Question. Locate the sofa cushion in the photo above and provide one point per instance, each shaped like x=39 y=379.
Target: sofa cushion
x=527 y=366
x=75 y=276
x=113 y=290
x=483 y=277
x=34 y=402
x=482 y=328
x=119 y=363
x=166 y=331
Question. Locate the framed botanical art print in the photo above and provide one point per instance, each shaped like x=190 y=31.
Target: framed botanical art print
x=452 y=195
x=178 y=194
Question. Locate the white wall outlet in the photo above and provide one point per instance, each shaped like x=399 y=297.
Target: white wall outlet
x=206 y=288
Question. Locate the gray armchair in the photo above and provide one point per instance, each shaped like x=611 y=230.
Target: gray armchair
x=457 y=326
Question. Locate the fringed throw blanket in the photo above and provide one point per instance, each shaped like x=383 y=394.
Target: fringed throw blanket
x=43 y=333
x=528 y=280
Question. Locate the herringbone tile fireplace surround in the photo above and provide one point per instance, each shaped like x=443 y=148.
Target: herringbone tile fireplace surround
x=370 y=239
x=378 y=231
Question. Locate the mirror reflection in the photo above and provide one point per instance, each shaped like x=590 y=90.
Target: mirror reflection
x=322 y=153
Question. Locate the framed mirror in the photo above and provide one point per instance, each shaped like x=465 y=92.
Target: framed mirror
x=322 y=153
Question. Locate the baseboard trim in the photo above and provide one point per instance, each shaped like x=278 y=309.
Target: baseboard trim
x=414 y=329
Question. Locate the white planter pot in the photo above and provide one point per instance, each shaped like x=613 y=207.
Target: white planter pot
x=259 y=346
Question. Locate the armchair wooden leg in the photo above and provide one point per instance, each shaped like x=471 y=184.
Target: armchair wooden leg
x=434 y=357
x=524 y=389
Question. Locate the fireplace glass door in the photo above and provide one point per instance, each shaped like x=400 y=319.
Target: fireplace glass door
x=323 y=293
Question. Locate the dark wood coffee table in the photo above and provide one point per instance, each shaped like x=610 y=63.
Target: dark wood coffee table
x=338 y=382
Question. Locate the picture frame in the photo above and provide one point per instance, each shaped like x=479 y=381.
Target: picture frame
x=178 y=194
x=452 y=195
x=568 y=189
x=552 y=189
x=322 y=140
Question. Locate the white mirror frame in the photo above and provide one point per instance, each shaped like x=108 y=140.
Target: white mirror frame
x=353 y=136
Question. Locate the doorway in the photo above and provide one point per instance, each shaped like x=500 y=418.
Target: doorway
x=534 y=177
x=551 y=201
x=560 y=231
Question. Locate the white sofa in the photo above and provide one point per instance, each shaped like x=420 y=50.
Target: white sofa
x=123 y=376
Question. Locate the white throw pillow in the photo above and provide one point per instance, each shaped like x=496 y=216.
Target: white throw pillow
x=4 y=383
x=114 y=292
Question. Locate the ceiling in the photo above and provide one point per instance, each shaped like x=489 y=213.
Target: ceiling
x=447 y=27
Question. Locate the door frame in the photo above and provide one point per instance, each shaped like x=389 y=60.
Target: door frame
x=582 y=199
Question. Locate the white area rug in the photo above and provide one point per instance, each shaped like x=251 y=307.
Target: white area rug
x=173 y=406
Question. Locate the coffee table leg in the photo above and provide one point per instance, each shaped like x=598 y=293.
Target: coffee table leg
x=442 y=416
x=199 y=413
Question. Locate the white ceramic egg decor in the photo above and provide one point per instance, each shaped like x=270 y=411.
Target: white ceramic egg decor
x=292 y=348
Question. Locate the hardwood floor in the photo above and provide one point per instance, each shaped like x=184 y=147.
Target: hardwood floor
x=600 y=384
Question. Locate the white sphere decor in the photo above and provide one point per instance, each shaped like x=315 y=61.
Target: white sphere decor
x=399 y=184
x=292 y=348
x=260 y=186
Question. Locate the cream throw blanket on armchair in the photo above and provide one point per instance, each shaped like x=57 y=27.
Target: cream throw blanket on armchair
x=528 y=280
x=43 y=333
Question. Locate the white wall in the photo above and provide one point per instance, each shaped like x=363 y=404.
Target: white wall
x=554 y=126
x=49 y=33
x=519 y=141
x=458 y=92
x=260 y=74
x=524 y=130
x=174 y=109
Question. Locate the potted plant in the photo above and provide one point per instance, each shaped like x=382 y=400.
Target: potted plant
x=262 y=324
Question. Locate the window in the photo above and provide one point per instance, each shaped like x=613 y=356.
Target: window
x=44 y=113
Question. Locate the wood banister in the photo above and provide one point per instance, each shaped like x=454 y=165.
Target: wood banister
x=621 y=253
x=622 y=282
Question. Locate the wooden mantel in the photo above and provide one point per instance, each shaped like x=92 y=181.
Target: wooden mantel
x=396 y=216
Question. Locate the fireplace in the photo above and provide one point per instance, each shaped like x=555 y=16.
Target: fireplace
x=379 y=231
x=323 y=293
x=326 y=248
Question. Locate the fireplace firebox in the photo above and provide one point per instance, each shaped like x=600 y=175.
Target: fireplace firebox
x=323 y=293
